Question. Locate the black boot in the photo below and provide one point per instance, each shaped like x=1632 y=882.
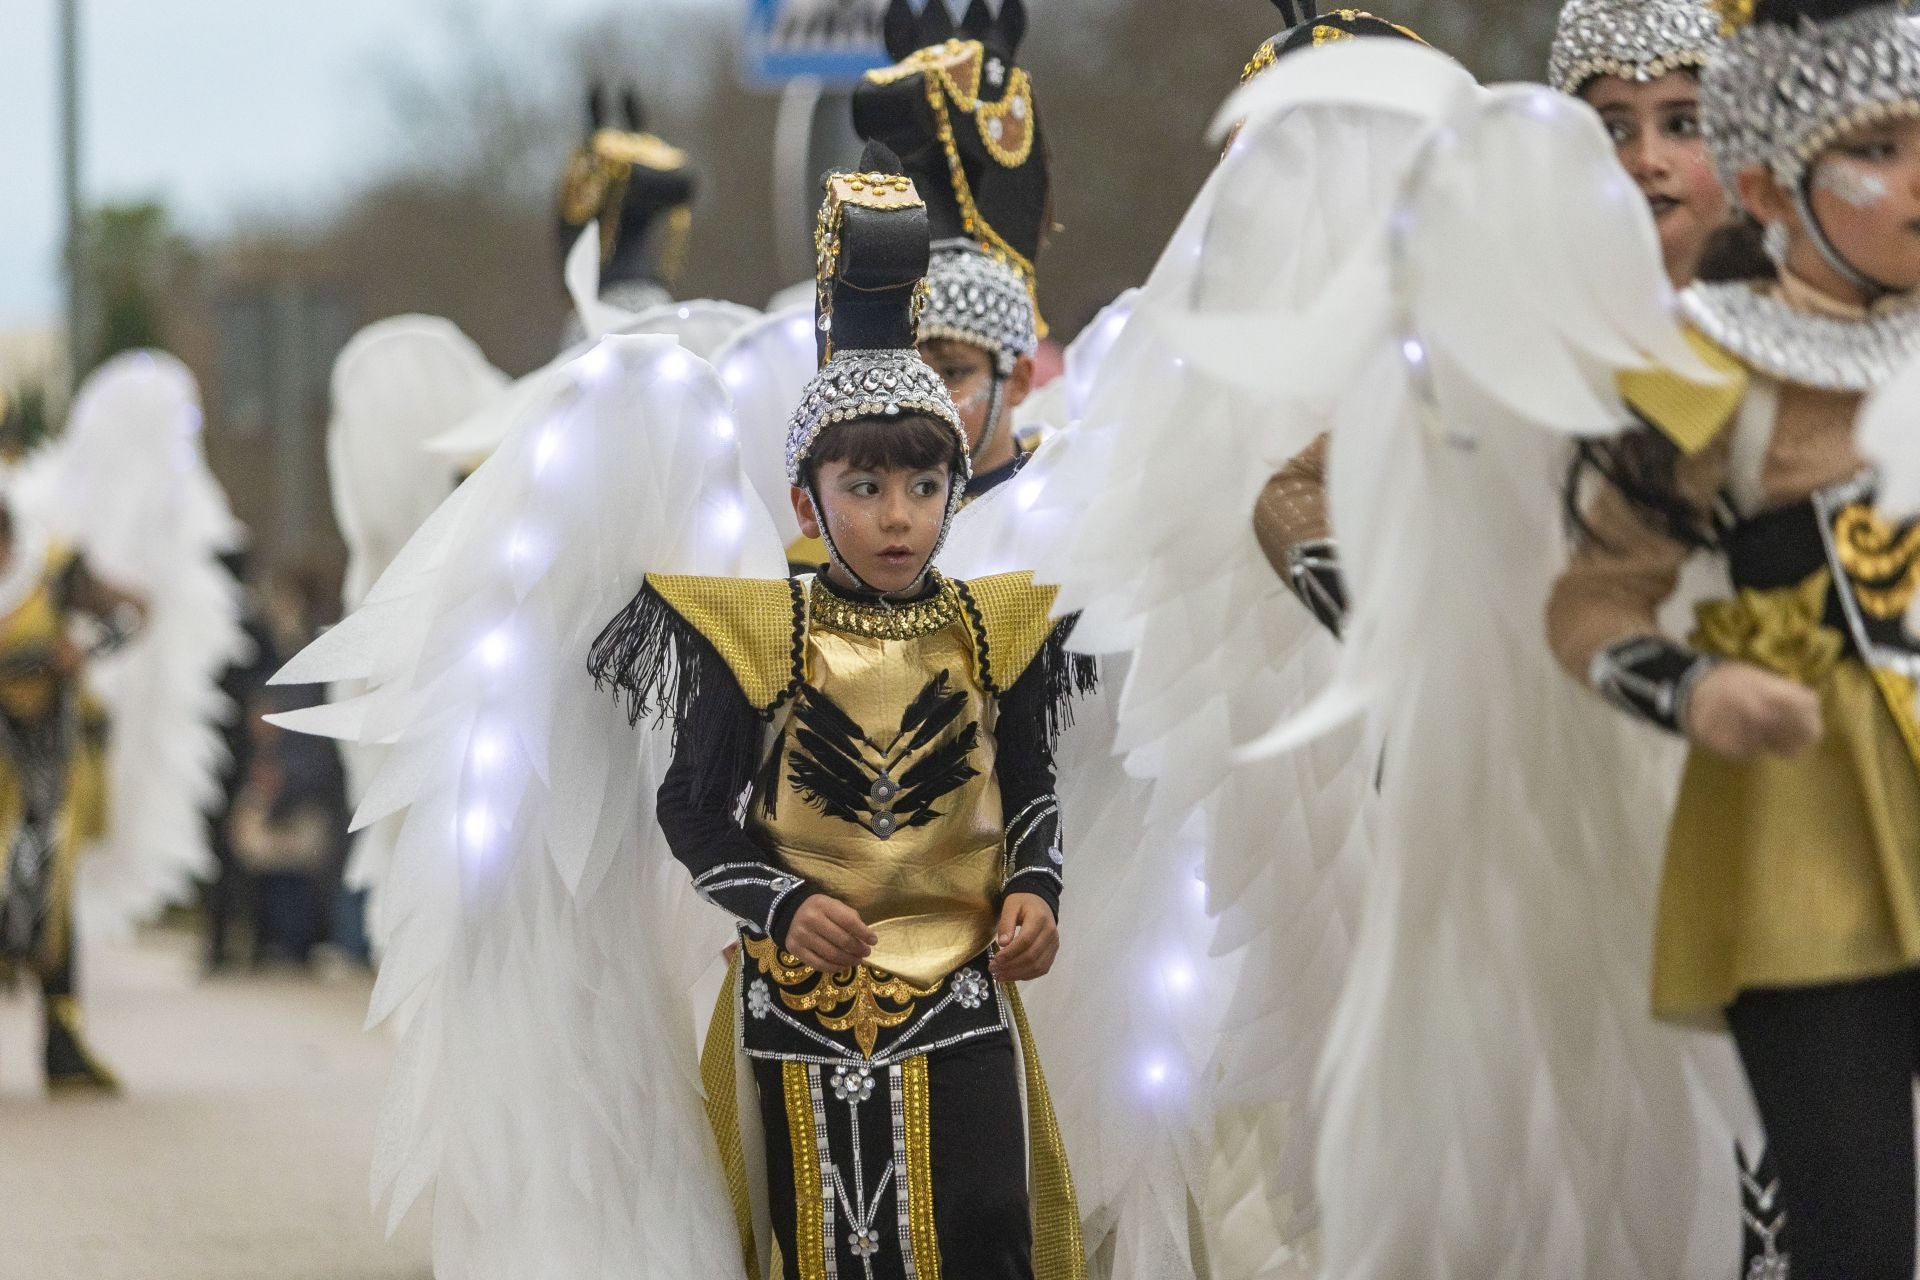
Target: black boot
x=71 y=1066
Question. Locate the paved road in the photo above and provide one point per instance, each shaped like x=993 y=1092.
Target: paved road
x=240 y=1151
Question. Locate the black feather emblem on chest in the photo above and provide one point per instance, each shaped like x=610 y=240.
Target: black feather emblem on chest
x=844 y=772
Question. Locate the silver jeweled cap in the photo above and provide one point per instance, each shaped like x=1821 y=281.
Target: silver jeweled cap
x=893 y=382
x=1778 y=93
x=976 y=298
x=1631 y=39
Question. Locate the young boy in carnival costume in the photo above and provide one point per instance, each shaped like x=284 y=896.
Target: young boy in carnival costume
x=863 y=778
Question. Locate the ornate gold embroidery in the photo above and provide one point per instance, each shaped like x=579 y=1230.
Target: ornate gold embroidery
x=917 y=1106
x=810 y=1226
x=1734 y=14
x=878 y=622
x=951 y=73
x=1780 y=630
x=1327 y=35
x=1263 y=57
x=598 y=173
x=1882 y=561
x=717 y=1078
x=869 y=191
x=859 y=992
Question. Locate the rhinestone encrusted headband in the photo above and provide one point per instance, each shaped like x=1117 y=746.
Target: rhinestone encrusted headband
x=1777 y=95
x=975 y=298
x=892 y=383
x=1631 y=39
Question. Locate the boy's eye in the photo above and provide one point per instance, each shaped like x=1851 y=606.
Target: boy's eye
x=863 y=488
x=1620 y=131
x=926 y=488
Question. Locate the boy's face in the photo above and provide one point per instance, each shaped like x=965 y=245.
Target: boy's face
x=968 y=372
x=884 y=521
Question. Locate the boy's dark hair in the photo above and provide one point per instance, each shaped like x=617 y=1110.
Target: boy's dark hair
x=913 y=443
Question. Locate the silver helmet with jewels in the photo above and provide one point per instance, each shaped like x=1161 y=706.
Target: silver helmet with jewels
x=976 y=298
x=1633 y=39
x=1793 y=76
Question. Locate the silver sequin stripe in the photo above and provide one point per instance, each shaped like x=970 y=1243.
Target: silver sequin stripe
x=1824 y=352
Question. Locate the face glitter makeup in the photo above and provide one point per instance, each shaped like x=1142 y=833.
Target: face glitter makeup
x=1851 y=184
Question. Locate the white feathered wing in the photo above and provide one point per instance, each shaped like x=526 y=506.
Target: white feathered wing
x=544 y=945
x=1498 y=1101
x=128 y=487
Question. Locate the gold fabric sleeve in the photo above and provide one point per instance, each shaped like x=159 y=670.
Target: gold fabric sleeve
x=1292 y=509
x=750 y=621
x=1059 y=1251
x=1688 y=413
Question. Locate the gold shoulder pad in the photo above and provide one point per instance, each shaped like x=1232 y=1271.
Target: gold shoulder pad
x=1688 y=413
x=754 y=623
x=1009 y=619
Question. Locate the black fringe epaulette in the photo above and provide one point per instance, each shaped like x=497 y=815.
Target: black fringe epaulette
x=1063 y=675
x=653 y=660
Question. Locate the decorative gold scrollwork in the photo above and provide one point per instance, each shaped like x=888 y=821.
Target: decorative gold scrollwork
x=863 y=1000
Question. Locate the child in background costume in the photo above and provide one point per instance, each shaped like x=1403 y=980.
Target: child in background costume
x=1788 y=901
x=892 y=852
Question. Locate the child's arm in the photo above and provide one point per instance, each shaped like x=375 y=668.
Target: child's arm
x=1028 y=937
x=715 y=753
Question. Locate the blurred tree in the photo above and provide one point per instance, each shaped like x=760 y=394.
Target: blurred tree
x=133 y=261
x=24 y=419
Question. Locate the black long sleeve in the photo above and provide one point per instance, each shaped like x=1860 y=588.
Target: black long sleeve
x=1025 y=767
x=715 y=753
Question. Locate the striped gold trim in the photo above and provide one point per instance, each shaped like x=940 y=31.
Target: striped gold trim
x=917 y=1103
x=809 y=1227
x=718 y=1077
x=1058 y=1251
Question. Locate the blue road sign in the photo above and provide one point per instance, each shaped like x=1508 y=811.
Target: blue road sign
x=835 y=41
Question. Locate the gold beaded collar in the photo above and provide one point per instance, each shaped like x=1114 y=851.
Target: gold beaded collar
x=885 y=622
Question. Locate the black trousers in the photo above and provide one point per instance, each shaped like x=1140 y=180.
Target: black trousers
x=976 y=1153
x=1832 y=1069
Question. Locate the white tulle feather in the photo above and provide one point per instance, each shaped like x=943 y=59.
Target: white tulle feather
x=128 y=487
x=543 y=946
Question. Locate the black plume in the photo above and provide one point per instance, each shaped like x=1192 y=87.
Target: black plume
x=1012 y=25
x=1790 y=12
x=878 y=157
x=906 y=30
x=596 y=107
x=636 y=112
x=1297 y=11
x=978 y=22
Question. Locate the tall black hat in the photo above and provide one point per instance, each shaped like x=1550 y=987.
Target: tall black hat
x=961 y=117
x=872 y=248
x=637 y=186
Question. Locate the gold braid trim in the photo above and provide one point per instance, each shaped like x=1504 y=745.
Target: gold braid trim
x=1059 y=1253
x=1013 y=622
x=917 y=1107
x=809 y=1227
x=718 y=1078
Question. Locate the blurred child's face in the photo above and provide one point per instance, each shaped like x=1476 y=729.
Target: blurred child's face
x=885 y=521
x=1866 y=194
x=968 y=372
x=1655 y=127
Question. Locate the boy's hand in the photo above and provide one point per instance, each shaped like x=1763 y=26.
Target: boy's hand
x=828 y=936
x=1028 y=939
x=1741 y=711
